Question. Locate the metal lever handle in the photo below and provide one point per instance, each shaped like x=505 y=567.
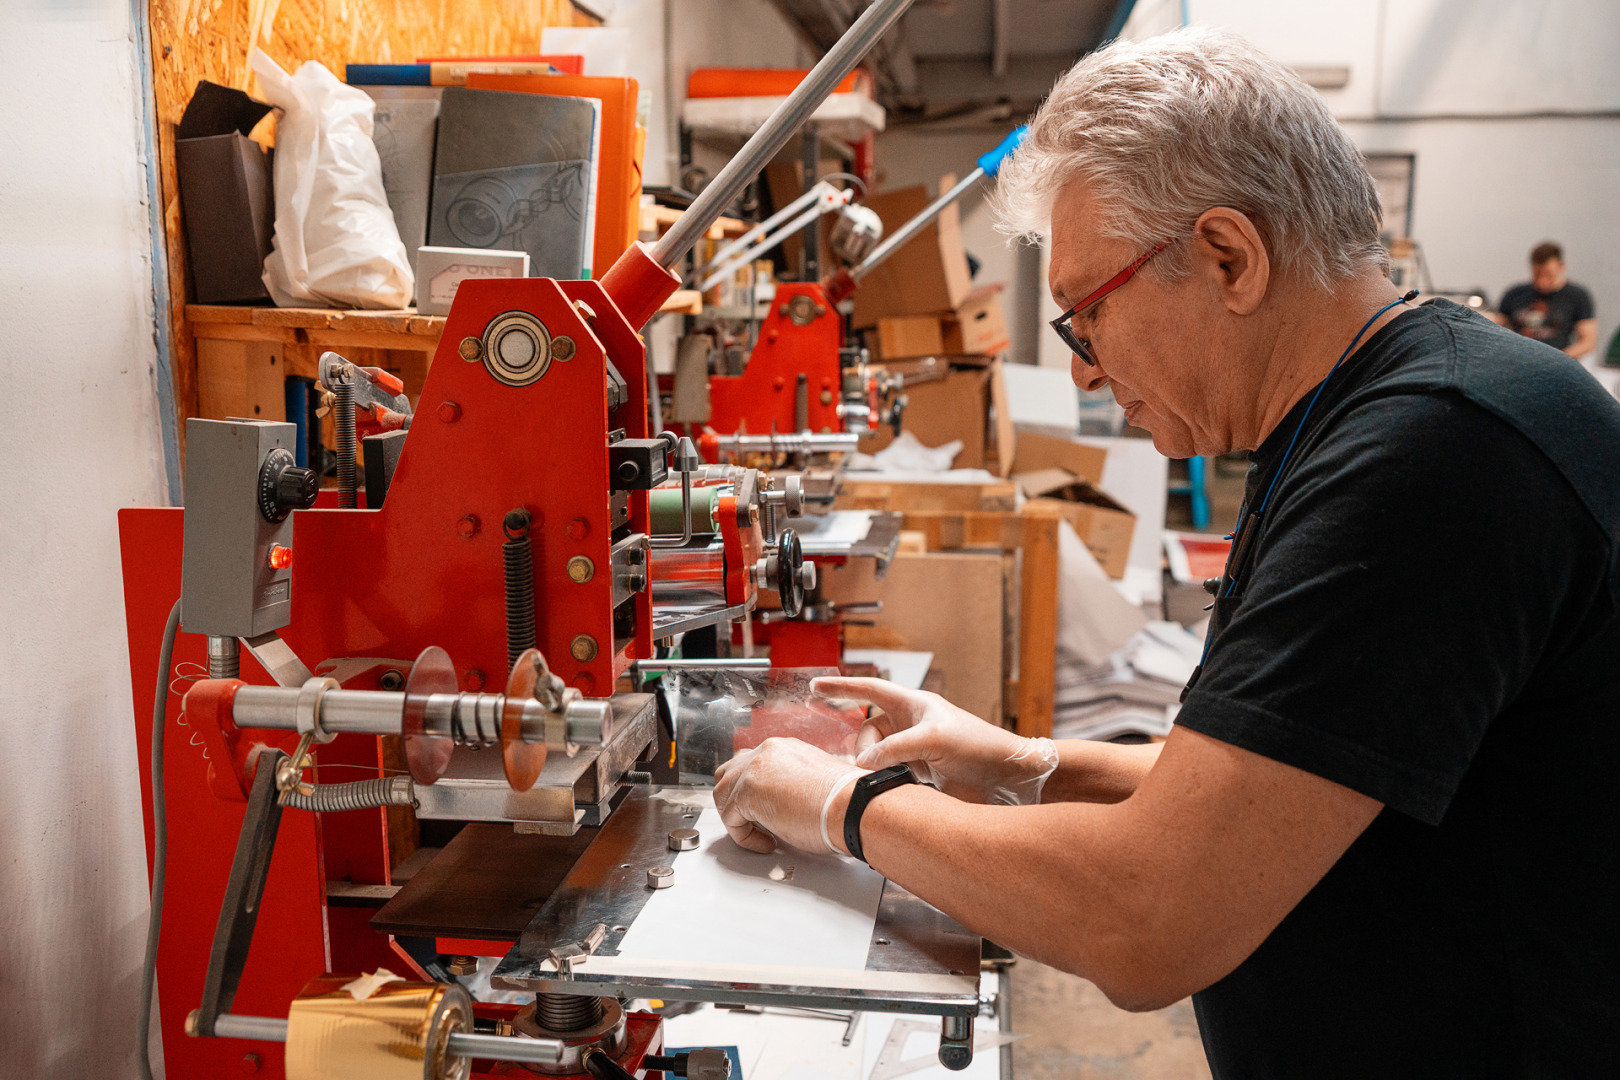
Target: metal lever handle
x=763 y=145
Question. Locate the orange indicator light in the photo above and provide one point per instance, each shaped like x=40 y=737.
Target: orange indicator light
x=280 y=557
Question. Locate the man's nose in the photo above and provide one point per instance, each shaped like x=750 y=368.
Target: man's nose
x=1087 y=377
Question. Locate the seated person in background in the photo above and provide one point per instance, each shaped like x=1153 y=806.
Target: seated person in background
x=1549 y=307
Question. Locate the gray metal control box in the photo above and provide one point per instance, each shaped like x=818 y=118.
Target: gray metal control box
x=228 y=587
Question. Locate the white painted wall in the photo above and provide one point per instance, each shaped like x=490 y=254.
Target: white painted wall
x=79 y=434
x=1512 y=110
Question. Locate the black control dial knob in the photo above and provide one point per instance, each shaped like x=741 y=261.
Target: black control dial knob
x=285 y=486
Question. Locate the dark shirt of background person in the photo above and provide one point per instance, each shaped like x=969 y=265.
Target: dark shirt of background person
x=1549 y=307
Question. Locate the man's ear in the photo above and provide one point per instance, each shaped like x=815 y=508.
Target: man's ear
x=1228 y=249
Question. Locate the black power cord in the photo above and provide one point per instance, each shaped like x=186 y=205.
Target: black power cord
x=160 y=843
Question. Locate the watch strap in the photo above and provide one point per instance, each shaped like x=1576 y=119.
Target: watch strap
x=868 y=788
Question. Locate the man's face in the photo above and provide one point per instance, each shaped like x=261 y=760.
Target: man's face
x=1152 y=340
x=1547 y=276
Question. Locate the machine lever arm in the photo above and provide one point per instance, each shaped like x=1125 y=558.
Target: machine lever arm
x=643 y=277
x=245 y=888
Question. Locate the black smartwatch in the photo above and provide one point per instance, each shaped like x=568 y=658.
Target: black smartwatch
x=868 y=788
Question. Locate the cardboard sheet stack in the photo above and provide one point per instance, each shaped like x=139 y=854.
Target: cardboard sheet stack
x=1136 y=689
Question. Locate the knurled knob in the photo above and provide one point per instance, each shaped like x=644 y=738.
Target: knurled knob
x=297 y=487
x=285 y=486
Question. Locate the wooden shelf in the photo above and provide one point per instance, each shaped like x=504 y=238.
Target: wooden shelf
x=244 y=354
x=657 y=218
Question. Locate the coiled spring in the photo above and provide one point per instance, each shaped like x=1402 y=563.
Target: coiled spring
x=355 y=795
x=518 y=556
x=343 y=413
x=566 y=1012
x=475 y=720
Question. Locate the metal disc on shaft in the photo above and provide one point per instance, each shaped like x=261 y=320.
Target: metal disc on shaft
x=427 y=755
x=522 y=760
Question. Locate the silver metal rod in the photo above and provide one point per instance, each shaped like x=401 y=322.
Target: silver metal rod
x=763 y=145
x=263 y=1028
x=378 y=712
x=460 y=1043
x=796 y=442
x=814 y=195
x=652 y=667
x=904 y=233
x=505 y=1048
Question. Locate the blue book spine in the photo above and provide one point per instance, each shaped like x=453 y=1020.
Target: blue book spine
x=389 y=74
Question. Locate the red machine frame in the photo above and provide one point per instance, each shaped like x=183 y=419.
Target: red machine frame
x=424 y=569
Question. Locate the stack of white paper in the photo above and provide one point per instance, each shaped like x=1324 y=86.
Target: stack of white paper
x=1137 y=689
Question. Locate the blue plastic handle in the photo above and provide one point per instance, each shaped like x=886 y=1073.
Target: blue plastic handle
x=991 y=162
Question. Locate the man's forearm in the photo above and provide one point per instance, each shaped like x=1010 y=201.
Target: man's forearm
x=1098 y=772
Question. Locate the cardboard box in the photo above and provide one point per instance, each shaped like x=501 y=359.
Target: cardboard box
x=928 y=275
x=1101 y=523
x=860 y=493
x=955 y=407
x=226 y=196
x=979 y=325
x=1037 y=453
x=441 y=270
x=902 y=336
x=916 y=591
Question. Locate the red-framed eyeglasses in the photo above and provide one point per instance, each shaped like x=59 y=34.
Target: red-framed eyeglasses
x=1064 y=323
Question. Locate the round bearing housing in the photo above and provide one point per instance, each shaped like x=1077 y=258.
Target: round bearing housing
x=517 y=348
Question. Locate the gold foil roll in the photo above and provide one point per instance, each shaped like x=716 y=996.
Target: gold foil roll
x=398 y=1033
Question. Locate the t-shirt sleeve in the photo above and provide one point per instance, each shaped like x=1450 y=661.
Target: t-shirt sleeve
x=1407 y=585
x=1582 y=308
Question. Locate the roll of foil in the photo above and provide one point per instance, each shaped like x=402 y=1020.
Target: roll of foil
x=689 y=576
x=399 y=1032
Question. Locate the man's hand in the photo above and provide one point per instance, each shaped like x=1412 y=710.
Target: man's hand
x=780 y=793
x=963 y=756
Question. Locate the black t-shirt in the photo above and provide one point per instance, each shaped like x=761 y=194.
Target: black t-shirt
x=1430 y=618
x=1550 y=318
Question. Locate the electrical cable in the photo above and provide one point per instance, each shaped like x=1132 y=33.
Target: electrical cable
x=160 y=844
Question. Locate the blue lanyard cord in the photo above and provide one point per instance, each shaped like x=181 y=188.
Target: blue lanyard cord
x=1276 y=475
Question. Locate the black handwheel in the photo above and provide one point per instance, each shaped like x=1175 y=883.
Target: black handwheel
x=789 y=581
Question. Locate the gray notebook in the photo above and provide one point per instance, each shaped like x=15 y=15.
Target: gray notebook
x=517 y=172
x=404 y=134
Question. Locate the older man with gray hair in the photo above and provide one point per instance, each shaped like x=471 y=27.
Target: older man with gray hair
x=1381 y=839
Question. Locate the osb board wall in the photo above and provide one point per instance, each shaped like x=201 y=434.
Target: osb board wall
x=209 y=39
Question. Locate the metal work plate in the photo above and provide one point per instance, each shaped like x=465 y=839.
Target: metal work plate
x=675 y=619
x=880 y=542
x=487 y=884
x=474 y=786
x=919 y=960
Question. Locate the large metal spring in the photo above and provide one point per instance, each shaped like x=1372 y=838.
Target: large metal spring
x=343 y=410
x=475 y=720
x=355 y=795
x=566 y=1012
x=518 y=556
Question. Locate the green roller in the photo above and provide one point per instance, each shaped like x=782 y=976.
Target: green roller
x=666 y=510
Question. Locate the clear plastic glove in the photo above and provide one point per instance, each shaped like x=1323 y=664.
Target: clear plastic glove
x=962 y=755
x=780 y=793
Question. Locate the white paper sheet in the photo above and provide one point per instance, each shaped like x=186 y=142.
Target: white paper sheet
x=729 y=905
x=831 y=531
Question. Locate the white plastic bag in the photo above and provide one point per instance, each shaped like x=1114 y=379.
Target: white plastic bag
x=336 y=244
